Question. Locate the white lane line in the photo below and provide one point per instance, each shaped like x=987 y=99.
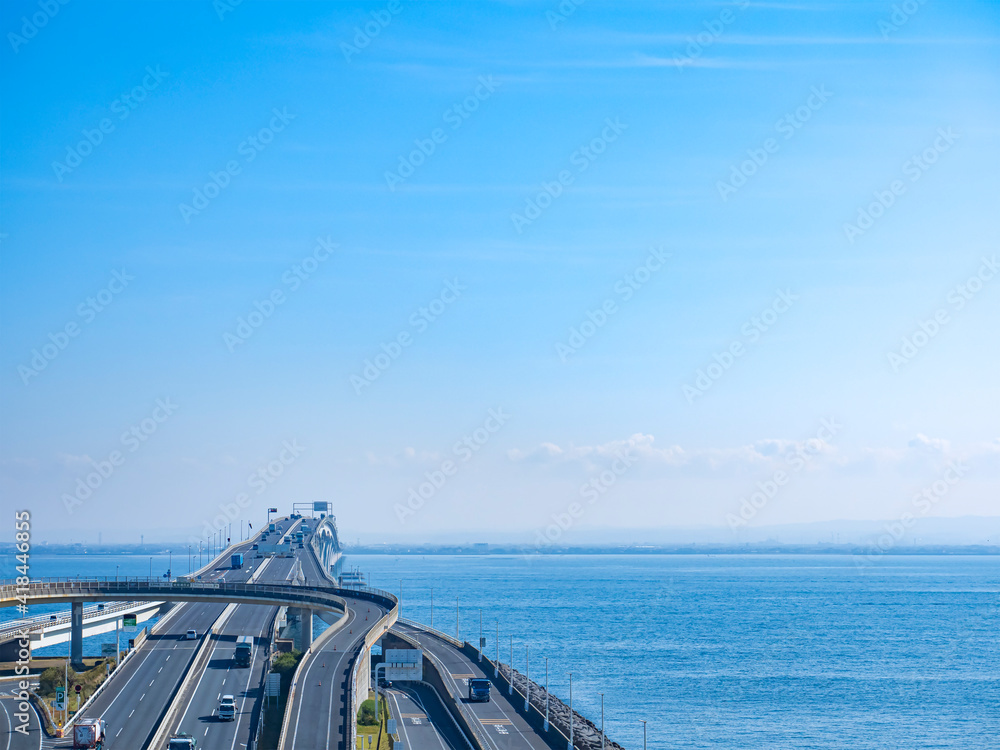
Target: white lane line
x=151 y=682
x=427 y=713
x=401 y=723
x=119 y=732
x=130 y=715
x=143 y=696
x=246 y=692
x=9 y=722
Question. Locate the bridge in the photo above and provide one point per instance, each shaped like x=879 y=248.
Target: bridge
x=169 y=684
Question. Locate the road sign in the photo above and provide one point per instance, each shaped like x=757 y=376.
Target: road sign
x=273 y=686
x=404 y=664
x=109 y=649
x=59 y=705
x=391 y=728
x=60 y=693
x=78 y=688
x=129 y=621
x=482 y=642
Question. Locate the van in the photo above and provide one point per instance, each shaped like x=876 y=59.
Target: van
x=191 y=635
x=227 y=708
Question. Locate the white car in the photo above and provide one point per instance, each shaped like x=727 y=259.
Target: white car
x=227 y=708
x=192 y=635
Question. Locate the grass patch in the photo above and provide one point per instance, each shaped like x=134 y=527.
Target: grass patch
x=372 y=716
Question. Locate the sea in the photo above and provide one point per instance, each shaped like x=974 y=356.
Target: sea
x=755 y=652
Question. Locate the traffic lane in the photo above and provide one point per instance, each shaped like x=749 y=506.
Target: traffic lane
x=423 y=723
x=15 y=733
x=319 y=708
x=498 y=720
x=221 y=676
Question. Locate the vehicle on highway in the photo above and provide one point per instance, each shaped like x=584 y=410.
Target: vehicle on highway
x=244 y=651
x=227 y=708
x=89 y=733
x=191 y=635
x=236 y=561
x=479 y=689
x=255 y=547
x=382 y=682
x=182 y=742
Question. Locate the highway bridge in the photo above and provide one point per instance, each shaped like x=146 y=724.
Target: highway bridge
x=170 y=684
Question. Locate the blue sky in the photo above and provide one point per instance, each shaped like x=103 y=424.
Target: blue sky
x=635 y=124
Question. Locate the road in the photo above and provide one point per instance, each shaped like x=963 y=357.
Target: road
x=222 y=677
x=499 y=722
x=133 y=704
x=10 y=738
x=422 y=722
x=318 y=710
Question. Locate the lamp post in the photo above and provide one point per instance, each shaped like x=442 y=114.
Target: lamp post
x=570 y=745
x=546 y=694
x=151 y=567
x=457 y=620
x=527 y=680
x=189 y=558
x=510 y=682
x=496 y=663
x=432 y=606
x=602 y=721
x=480 y=636
x=116 y=574
x=643 y=733
x=400 y=610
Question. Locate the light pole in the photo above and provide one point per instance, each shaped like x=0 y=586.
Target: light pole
x=510 y=682
x=527 y=680
x=546 y=694
x=189 y=559
x=480 y=636
x=457 y=619
x=151 y=567
x=170 y=564
x=602 y=721
x=496 y=663
x=432 y=606
x=400 y=610
x=116 y=574
x=643 y=733
x=570 y=746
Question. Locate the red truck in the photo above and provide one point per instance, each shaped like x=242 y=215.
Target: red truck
x=89 y=734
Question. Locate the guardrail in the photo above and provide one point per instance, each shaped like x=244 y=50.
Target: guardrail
x=40 y=622
x=327 y=597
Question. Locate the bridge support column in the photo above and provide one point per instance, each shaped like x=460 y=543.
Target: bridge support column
x=307 y=628
x=76 y=634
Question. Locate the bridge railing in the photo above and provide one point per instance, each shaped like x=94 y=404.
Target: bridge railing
x=327 y=597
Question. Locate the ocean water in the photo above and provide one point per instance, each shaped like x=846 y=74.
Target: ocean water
x=756 y=652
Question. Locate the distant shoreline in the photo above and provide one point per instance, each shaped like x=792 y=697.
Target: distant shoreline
x=530 y=550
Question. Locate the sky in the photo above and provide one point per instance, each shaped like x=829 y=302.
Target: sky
x=536 y=270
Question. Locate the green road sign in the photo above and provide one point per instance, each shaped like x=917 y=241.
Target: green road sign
x=129 y=621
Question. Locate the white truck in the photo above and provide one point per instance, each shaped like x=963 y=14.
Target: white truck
x=182 y=742
x=89 y=733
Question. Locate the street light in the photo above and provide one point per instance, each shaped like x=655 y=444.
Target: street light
x=570 y=746
x=151 y=567
x=527 y=680
x=496 y=663
x=643 y=733
x=510 y=683
x=480 y=636
x=602 y=721
x=116 y=574
x=457 y=619
x=432 y=606
x=547 y=694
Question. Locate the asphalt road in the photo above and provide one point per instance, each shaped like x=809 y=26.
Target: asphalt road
x=133 y=703
x=10 y=738
x=422 y=723
x=318 y=710
x=499 y=722
x=222 y=677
